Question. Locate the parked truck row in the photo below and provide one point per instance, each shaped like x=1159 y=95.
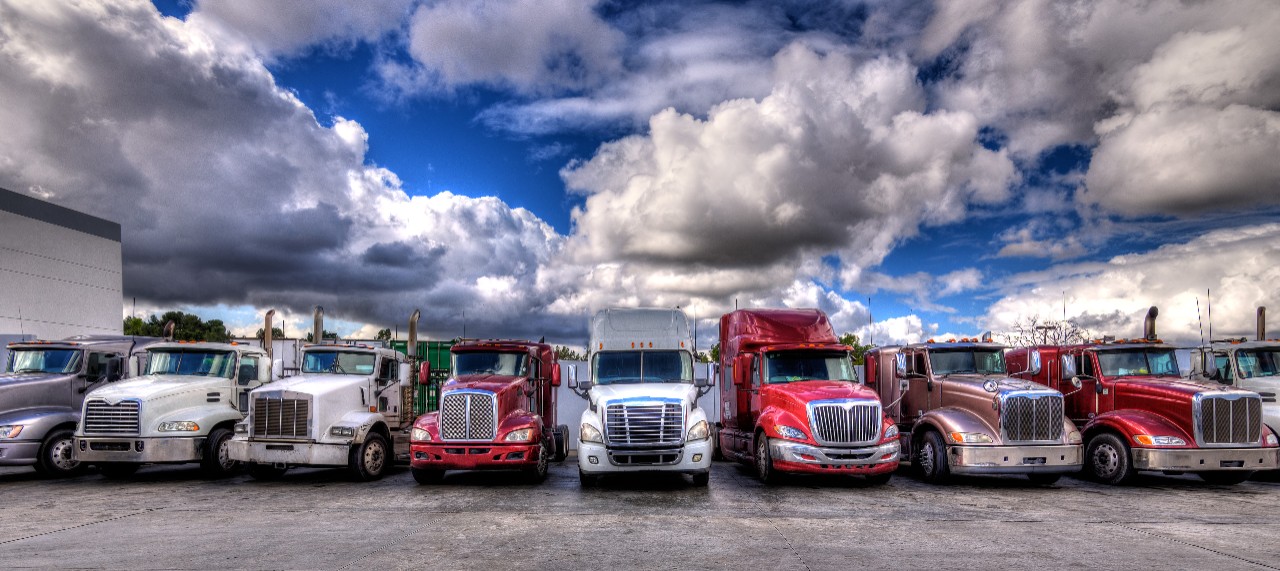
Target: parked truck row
x=791 y=401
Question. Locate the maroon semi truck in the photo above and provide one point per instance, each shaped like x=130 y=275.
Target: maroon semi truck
x=497 y=412
x=791 y=400
x=1136 y=411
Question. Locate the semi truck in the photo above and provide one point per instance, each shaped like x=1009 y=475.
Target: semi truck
x=497 y=412
x=1137 y=413
x=960 y=412
x=42 y=391
x=1244 y=364
x=348 y=407
x=642 y=413
x=791 y=401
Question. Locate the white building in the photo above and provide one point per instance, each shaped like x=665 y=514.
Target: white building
x=60 y=271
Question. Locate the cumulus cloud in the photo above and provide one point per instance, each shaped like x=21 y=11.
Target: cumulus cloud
x=291 y=27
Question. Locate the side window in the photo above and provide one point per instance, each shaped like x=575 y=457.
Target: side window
x=387 y=369
x=97 y=365
x=727 y=373
x=1084 y=364
x=248 y=370
x=1225 y=375
x=755 y=370
x=918 y=366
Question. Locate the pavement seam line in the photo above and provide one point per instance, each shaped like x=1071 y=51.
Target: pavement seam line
x=377 y=550
x=51 y=532
x=790 y=547
x=1188 y=543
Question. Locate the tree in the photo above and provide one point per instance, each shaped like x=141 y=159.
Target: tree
x=276 y=333
x=567 y=354
x=325 y=334
x=383 y=335
x=1036 y=330
x=187 y=327
x=714 y=353
x=859 y=350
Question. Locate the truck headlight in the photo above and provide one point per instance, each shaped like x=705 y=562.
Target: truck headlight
x=589 y=433
x=10 y=430
x=178 y=426
x=420 y=435
x=1073 y=437
x=1270 y=441
x=522 y=435
x=1149 y=440
x=342 y=431
x=891 y=432
x=790 y=432
x=241 y=428
x=699 y=431
x=970 y=438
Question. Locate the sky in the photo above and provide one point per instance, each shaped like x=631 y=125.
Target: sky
x=914 y=169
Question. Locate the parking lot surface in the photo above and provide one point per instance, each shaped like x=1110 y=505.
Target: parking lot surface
x=171 y=518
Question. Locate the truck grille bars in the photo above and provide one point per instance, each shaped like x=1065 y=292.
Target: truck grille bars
x=101 y=417
x=1031 y=417
x=468 y=415
x=280 y=417
x=843 y=422
x=1228 y=420
x=652 y=424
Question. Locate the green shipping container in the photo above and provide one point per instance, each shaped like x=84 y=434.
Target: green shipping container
x=426 y=398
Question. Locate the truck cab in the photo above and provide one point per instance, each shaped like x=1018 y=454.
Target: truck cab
x=342 y=410
x=1136 y=412
x=42 y=390
x=960 y=411
x=642 y=413
x=1244 y=364
x=497 y=412
x=792 y=402
x=181 y=409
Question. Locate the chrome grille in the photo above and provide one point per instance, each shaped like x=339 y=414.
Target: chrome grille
x=280 y=417
x=468 y=415
x=101 y=417
x=845 y=422
x=654 y=424
x=1031 y=418
x=1230 y=420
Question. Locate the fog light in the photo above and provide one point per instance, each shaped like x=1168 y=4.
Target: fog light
x=593 y=460
x=697 y=457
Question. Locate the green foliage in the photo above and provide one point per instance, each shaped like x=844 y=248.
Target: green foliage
x=566 y=354
x=383 y=335
x=187 y=327
x=715 y=353
x=276 y=333
x=859 y=350
x=326 y=334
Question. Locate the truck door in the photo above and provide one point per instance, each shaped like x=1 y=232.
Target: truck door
x=919 y=397
x=95 y=370
x=1226 y=373
x=246 y=380
x=753 y=408
x=1101 y=389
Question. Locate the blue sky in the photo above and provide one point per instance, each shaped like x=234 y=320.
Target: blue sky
x=965 y=166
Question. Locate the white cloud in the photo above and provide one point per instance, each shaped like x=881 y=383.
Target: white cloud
x=289 y=28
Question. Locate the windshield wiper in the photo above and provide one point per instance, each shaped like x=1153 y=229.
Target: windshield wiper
x=36 y=370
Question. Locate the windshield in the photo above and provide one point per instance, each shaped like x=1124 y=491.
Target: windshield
x=1259 y=362
x=984 y=361
x=1161 y=363
x=490 y=363
x=624 y=367
x=196 y=363
x=43 y=361
x=790 y=366
x=338 y=362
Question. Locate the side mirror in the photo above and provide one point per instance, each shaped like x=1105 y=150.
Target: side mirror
x=404 y=374
x=424 y=373
x=580 y=385
x=1069 y=368
x=702 y=382
x=264 y=372
x=112 y=372
x=1075 y=382
x=555 y=375
x=900 y=364
x=277 y=368
x=1033 y=365
x=572 y=372
x=135 y=365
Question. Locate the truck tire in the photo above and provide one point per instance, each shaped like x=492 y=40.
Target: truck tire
x=425 y=477
x=117 y=470
x=931 y=459
x=701 y=479
x=879 y=479
x=562 y=443
x=538 y=473
x=764 y=462
x=368 y=461
x=55 y=458
x=217 y=462
x=1043 y=479
x=266 y=472
x=588 y=480
x=1107 y=460
x=1224 y=478
x=716 y=452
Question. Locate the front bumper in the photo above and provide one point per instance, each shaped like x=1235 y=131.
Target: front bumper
x=473 y=456
x=790 y=456
x=138 y=450
x=289 y=453
x=1054 y=458
x=19 y=452
x=692 y=458
x=1205 y=459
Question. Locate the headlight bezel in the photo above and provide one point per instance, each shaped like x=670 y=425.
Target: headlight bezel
x=240 y=428
x=589 y=433
x=1271 y=439
x=1158 y=440
x=419 y=435
x=699 y=431
x=342 y=431
x=790 y=432
x=11 y=431
x=519 y=435
x=178 y=426
x=970 y=438
x=891 y=432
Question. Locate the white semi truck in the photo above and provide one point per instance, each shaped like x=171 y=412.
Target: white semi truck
x=1241 y=363
x=347 y=408
x=642 y=413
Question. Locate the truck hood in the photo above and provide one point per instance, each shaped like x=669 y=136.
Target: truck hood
x=803 y=392
x=26 y=390
x=1141 y=392
x=975 y=381
x=153 y=387
x=604 y=395
x=315 y=385
x=491 y=383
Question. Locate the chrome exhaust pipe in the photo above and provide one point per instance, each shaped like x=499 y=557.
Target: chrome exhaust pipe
x=168 y=330
x=1149 y=324
x=266 y=334
x=317 y=327
x=411 y=350
x=1262 y=323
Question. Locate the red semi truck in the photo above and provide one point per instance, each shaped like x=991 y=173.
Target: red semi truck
x=497 y=412
x=1137 y=412
x=791 y=401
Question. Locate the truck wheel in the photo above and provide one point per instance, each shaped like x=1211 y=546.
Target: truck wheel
x=931 y=459
x=764 y=462
x=1224 y=478
x=1043 y=479
x=562 y=443
x=217 y=462
x=117 y=471
x=701 y=479
x=368 y=461
x=879 y=479
x=266 y=472
x=425 y=476
x=588 y=480
x=716 y=452
x=538 y=473
x=55 y=457
x=1107 y=460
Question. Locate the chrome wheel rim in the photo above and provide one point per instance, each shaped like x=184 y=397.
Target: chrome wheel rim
x=762 y=459
x=927 y=458
x=373 y=457
x=1106 y=461
x=60 y=453
x=543 y=460
x=224 y=454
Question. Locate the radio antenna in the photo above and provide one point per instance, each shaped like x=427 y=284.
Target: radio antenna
x=1208 y=302
x=1198 y=319
x=871 y=330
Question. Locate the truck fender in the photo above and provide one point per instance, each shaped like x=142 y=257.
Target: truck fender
x=37 y=422
x=950 y=419
x=521 y=419
x=773 y=416
x=207 y=417
x=364 y=420
x=1131 y=422
x=592 y=418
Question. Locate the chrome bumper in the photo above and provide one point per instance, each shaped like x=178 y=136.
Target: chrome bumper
x=1055 y=458
x=137 y=450
x=289 y=453
x=788 y=451
x=1205 y=459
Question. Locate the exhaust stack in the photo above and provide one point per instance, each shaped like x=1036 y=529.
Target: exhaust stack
x=1262 y=323
x=266 y=334
x=168 y=330
x=1149 y=324
x=412 y=348
x=317 y=328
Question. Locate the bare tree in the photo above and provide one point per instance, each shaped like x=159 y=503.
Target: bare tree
x=1036 y=330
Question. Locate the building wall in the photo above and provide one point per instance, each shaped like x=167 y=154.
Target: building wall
x=60 y=270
